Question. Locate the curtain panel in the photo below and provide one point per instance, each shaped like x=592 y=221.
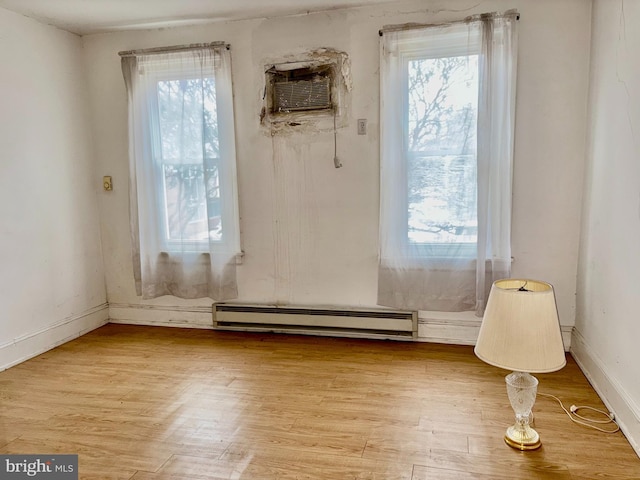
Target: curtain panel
x=454 y=272
x=182 y=172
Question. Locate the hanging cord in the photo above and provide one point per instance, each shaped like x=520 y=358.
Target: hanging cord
x=575 y=417
x=336 y=160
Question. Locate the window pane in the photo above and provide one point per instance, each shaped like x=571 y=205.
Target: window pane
x=192 y=202
x=190 y=159
x=441 y=143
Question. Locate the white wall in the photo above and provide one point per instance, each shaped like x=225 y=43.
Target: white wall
x=51 y=280
x=309 y=230
x=608 y=316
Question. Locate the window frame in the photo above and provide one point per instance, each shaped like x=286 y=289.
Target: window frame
x=452 y=45
x=167 y=244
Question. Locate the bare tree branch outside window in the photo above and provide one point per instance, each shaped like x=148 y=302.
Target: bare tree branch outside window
x=441 y=149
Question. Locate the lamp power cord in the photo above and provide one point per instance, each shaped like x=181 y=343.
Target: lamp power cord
x=575 y=417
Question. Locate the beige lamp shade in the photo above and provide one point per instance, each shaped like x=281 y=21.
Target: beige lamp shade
x=520 y=329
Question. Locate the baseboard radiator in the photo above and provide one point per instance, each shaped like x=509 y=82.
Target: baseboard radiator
x=368 y=323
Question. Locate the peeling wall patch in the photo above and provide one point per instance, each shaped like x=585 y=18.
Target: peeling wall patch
x=306 y=92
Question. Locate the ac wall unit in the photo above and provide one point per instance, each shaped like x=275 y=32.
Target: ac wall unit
x=302 y=95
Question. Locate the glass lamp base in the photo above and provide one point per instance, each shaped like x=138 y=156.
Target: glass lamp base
x=522 y=388
x=522 y=437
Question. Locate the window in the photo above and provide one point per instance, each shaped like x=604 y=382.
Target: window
x=435 y=142
x=441 y=120
x=447 y=96
x=188 y=161
x=184 y=207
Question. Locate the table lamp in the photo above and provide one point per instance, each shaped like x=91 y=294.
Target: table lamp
x=520 y=331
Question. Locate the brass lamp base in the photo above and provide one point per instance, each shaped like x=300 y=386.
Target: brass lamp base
x=522 y=437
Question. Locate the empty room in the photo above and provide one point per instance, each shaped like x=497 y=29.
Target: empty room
x=320 y=239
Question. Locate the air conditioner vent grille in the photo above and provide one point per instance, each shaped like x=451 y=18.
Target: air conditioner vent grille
x=300 y=95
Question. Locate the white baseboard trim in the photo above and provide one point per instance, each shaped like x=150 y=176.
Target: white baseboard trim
x=437 y=327
x=32 y=344
x=614 y=396
x=449 y=330
x=161 y=315
x=462 y=330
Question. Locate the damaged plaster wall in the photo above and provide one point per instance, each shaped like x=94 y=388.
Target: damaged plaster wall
x=295 y=170
x=310 y=230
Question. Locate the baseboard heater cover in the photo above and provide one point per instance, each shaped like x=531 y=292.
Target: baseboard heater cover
x=373 y=323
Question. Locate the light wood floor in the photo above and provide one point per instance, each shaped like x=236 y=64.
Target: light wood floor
x=155 y=403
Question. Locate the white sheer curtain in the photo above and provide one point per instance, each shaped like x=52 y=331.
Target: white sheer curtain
x=182 y=185
x=446 y=162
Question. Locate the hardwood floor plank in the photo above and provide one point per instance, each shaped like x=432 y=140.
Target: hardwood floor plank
x=429 y=473
x=270 y=462
x=529 y=465
x=191 y=467
x=310 y=443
